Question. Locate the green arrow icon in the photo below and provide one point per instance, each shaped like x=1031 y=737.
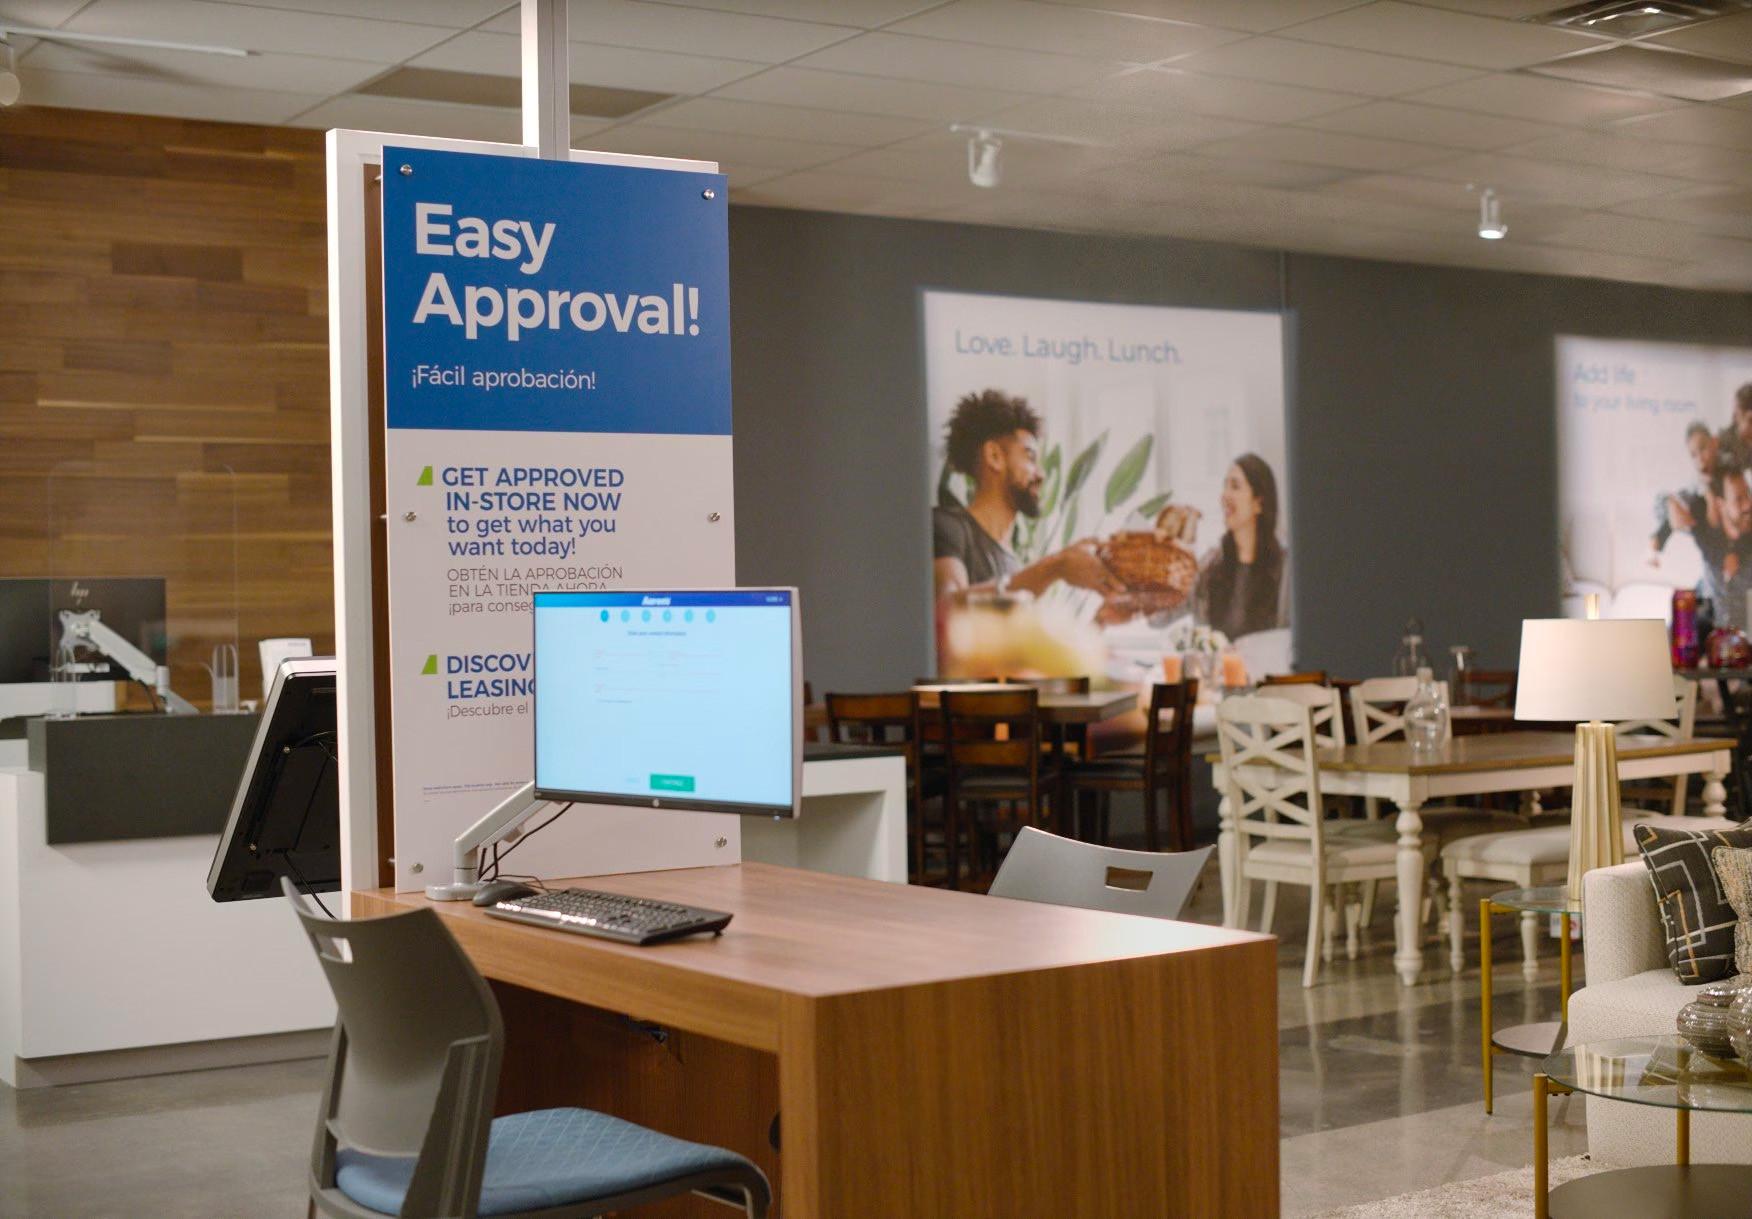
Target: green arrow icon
x=430 y=668
x=425 y=478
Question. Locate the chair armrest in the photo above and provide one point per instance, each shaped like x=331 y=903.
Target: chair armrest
x=1621 y=923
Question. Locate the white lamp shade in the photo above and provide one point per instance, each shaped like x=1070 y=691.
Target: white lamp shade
x=1575 y=669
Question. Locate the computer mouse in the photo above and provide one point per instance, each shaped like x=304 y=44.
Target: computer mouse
x=496 y=891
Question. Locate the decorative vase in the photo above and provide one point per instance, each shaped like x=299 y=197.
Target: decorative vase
x=1706 y=1026
x=1740 y=1025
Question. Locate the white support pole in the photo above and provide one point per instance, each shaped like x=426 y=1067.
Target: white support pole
x=547 y=80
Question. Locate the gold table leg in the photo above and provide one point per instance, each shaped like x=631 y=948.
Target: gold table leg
x=1563 y=957
x=1682 y=1153
x=1541 y=1153
x=1484 y=910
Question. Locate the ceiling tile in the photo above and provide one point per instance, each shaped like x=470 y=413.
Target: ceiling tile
x=787 y=122
x=365 y=113
x=1285 y=61
x=1509 y=10
x=1725 y=211
x=457 y=14
x=817 y=188
x=618 y=67
x=316 y=74
x=959 y=63
x=940 y=157
x=1574 y=185
x=1124 y=126
x=1717 y=126
x=1054 y=27
x=1607 y=151
x=1644 y=238
x=1724 y=38
x=1191 y=167
x=133 y=95
x=1393 y=28
x=1226 y=97
x=1407 y=189
x=741 y=148
x=1710 y=164
x=868 y=94
x=42 y=14
x=1325 y=148
x=257 y=29
x=1432 y=125
x=864 y=13
x=1515 y=95
x=1256 y=16
x=688 y=31
x=1651 y=70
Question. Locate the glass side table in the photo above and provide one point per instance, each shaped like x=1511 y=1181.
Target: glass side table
x=1665 y=1072
x=1530 y=1040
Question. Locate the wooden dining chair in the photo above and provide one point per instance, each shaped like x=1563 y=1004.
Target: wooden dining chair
x=892 y=719
x=1162 y=772
x=1067 y=740
x=1281 y=830
x=991 y=749
x=1492 y=687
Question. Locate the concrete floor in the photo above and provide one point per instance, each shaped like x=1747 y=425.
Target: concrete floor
x=1381 y=1094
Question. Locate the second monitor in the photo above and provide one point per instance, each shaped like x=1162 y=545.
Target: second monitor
x=675 y=700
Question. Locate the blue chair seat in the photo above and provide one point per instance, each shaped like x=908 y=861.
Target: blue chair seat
x=544 y=1158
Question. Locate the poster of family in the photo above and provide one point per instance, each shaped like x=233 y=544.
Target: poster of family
x=1654 y=455
x=1108 y=488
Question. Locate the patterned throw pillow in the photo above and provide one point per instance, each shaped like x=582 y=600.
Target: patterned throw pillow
x=1733 y=865
x=1695 y=913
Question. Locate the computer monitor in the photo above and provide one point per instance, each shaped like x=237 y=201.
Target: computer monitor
x=286 y=817
x=684 y=699
x=30 y=624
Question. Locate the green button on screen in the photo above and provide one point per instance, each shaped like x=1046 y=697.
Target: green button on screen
x=672 y=783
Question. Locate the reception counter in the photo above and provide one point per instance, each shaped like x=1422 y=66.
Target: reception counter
x=113 y=959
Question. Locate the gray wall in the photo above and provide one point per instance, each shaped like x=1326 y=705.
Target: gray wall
x=1422 y=434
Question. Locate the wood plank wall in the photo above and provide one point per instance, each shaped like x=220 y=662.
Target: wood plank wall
x=164 y=371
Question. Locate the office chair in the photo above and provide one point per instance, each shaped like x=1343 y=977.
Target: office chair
x=406 y=1125
x=1043 y=867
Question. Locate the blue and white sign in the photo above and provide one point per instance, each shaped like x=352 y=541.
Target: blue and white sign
x=557 y=387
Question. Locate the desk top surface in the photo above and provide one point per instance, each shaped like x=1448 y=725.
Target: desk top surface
x=815 y=934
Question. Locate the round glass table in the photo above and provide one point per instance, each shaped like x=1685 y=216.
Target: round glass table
x=1665 y=1072
x=1538 y=1039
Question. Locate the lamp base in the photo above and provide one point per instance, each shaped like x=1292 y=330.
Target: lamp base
x=1596 y=830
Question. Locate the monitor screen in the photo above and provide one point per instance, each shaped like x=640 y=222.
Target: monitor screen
x=682 y=700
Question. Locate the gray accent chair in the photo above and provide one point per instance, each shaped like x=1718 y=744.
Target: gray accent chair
x=406 y=1125
x=1043 y=867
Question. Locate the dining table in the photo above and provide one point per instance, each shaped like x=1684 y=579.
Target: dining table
x=1409 y=778
x=1057 y=710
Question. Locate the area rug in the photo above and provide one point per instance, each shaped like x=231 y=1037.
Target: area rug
x=1507 y=1195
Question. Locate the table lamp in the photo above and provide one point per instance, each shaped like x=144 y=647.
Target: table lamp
x=1590 y=672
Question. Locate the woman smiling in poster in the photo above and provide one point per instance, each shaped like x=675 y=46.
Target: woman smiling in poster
x=1243 y=581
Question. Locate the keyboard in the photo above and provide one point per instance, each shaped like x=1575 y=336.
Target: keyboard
x=612 y=916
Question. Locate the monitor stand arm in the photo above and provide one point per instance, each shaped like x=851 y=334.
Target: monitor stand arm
x=496 y=826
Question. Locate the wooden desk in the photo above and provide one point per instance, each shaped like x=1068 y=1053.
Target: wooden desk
x=1466 y=766
x=934 y=1054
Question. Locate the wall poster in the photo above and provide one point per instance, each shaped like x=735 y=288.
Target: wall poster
x=557 y=363
x=1108 y=487
x=1654 y=455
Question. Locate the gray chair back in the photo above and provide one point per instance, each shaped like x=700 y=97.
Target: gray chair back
x=416 y=1054
x=1043 y=867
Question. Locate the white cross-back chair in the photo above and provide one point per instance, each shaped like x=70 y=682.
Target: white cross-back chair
x=1282 y=835
x=1326 y=714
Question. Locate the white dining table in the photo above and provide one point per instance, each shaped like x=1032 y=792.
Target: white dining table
x=1466 y=766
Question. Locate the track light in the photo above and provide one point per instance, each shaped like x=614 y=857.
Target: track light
x=1491 y=226
x=10 y=85
x=984 y=167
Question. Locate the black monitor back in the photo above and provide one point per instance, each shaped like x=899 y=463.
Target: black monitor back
x=285 y=819
x=30 y=623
